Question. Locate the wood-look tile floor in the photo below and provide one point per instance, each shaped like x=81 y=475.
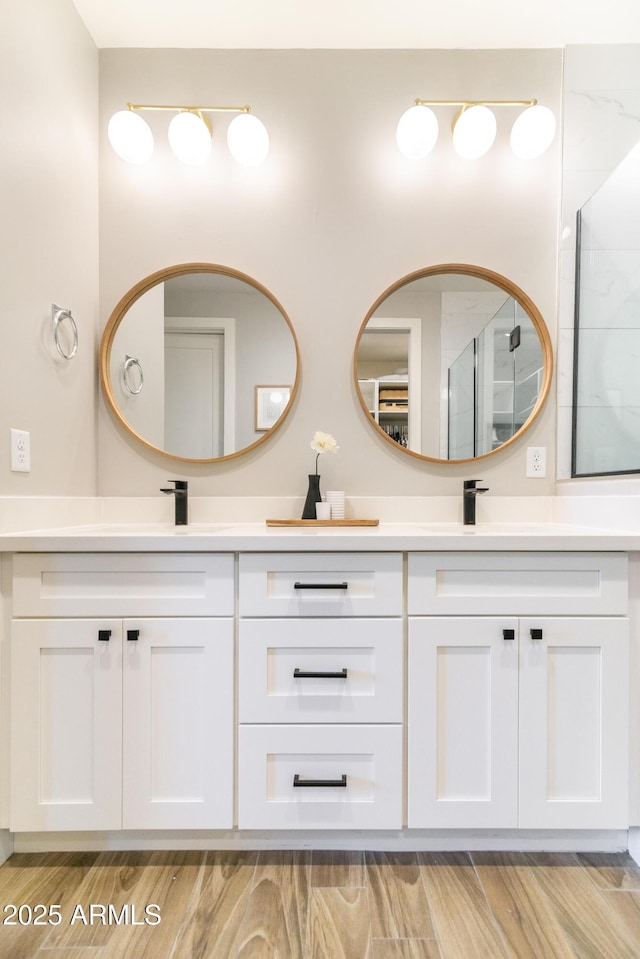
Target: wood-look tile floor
x=322 y=905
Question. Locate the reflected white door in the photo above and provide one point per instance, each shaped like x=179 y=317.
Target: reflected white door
x=194 y=391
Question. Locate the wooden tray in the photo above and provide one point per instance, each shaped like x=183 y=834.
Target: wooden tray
x=322 y=522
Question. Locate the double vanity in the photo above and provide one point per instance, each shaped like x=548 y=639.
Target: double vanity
x=397 y=686
x=406 y=685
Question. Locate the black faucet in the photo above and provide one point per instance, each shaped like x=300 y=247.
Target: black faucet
x=182 y=502
x=469 y=493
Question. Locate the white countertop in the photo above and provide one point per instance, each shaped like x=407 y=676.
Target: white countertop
x=257 y=537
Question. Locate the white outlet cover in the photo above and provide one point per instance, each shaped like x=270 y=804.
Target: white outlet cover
x=20 y=451
x=536 y=462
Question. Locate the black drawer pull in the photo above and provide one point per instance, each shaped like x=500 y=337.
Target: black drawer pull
x=536 y=634
x=508 y=634
x=321 y=586
x=104 y=635
x=318 y=674
x=133 y=635
x=342 y=782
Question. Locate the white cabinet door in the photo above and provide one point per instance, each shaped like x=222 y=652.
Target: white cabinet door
x=178 y=724
x=66 y=725
x=574 y=683
x=463 y=723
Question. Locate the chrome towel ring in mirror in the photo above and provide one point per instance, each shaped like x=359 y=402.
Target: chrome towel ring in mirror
x=66 y=344
x=128 y=375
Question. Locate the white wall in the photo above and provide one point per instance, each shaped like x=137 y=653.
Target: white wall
x=330 y=221
x=48 y=244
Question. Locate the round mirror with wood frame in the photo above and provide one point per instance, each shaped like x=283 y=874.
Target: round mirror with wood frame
x=199 y=362
x=453 y=363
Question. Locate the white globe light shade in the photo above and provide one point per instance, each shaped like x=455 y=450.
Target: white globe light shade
x=417 y=132
x=248 y=140
x=533 y=132
x=130 y=136
x=189 y=138
x=474 y=132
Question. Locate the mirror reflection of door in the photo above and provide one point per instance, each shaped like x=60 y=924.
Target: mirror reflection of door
x=194 y=393
x=389 y=373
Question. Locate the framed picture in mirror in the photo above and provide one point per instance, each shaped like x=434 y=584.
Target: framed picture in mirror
x=271 y=402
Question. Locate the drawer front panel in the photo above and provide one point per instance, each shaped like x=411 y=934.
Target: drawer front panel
x=320 y=670
x=321 y=584
x=517 y=584
x=320 y=777
x=123 y=584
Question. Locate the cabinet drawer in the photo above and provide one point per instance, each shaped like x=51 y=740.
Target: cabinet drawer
x=348 y=671
x=520 y=584
x=123 y=584
x=321 y=584
x=357 y=771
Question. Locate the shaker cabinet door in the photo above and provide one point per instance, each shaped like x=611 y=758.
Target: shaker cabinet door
x=574 y=723
x=66 y=725
x=463 y=723
x=178 y=724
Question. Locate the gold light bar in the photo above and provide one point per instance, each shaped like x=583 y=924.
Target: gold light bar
x=475 y=103
x=150 y=106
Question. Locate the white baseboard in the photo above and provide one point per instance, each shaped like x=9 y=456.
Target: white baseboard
x=413 y=841
x=6 y=845
x=634 y=843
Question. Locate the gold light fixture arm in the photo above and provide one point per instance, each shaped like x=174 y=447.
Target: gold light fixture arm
x=189 y=109
x=467 y=104
x=474 y=103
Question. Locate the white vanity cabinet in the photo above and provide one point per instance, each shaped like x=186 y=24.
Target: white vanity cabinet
x=122 y=719
x=320 y=691
x=518 y=691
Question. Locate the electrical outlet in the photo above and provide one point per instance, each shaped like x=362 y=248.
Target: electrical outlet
x=20 y=451
x=537 y=461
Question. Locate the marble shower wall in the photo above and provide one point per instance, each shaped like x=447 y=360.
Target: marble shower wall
x=601 y=126
x=608 y=388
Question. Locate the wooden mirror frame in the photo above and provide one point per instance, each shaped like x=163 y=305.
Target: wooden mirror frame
x=118 y=315
x=466 y=269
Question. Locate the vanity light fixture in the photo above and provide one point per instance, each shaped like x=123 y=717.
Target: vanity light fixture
x=474 y=128
x=189 y=133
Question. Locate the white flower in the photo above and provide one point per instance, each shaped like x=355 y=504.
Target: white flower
x=323 y=443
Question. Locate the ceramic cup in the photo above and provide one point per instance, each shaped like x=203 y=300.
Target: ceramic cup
x=335 y=499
